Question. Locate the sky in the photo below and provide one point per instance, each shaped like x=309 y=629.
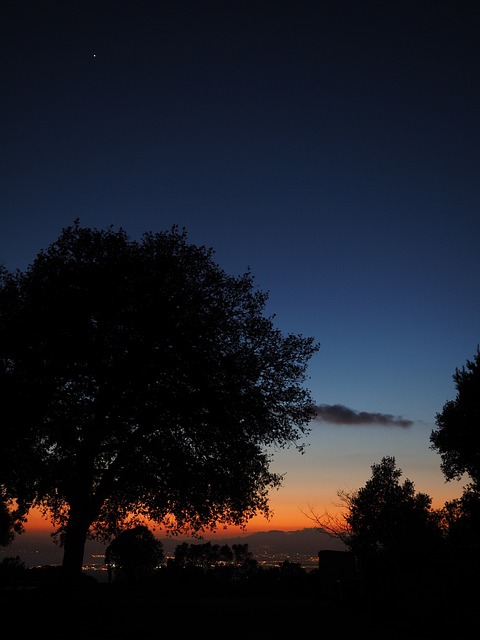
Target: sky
x=332 y=148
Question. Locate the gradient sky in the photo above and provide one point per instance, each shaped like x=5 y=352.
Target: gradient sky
x=330 y=147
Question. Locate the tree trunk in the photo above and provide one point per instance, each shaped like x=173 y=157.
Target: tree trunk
x=74 y=546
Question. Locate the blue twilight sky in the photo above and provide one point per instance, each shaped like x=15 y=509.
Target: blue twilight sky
x=330 y=147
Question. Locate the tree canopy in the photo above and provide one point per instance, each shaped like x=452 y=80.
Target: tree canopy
x=385 y=519
x=141 y=381
x=388 y=517
x=9 y=524
x=462 y=521
x=457 y=440
x=457 y=437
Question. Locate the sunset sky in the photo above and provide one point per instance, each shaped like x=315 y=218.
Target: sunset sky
x=330 y=147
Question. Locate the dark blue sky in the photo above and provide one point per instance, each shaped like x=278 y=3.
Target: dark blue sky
x=332 y=147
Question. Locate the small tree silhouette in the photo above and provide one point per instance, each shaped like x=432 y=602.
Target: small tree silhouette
x=134 y=554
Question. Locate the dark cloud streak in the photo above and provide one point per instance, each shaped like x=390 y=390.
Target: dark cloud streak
x=339 y=414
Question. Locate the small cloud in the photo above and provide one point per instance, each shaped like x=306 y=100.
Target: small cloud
x=339 y=414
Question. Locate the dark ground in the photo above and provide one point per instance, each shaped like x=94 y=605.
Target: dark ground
x=106 y=611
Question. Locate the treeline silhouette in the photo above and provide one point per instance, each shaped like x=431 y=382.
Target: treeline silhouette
x=136 y=559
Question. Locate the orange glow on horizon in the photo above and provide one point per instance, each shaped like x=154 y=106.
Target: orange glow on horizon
x=287 y=515
x=37 y=523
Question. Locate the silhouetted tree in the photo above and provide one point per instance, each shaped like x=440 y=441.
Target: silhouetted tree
x=219 y=562
x=392 y=530
x=457 y=440
x=141 y=381
x=134 y=554
x=241 y=553
x=203 y=555
x=457 y=437
x=12 y=514
x=6 y=530
x=462 y=520
x=225 y=553
x=387 y=525
x=11 y=522
x=386 y=516
x=182 y=554
x=246 y=565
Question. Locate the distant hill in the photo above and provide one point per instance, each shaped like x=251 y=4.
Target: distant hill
x=304 y=541
x=35 y=549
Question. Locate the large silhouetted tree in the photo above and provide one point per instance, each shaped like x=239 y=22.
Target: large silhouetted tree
x=457 y=437
x=142 y=381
